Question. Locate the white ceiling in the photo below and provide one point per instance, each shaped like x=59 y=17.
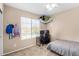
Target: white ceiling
x=40 y=8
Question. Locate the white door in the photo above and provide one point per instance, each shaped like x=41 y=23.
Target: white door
x=1 y=35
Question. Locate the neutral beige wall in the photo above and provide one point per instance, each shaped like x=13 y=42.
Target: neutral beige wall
x=65 y=25
x=12 y=16
x=43 y=26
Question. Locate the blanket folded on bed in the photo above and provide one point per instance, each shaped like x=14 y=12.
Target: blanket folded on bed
x=64 y=47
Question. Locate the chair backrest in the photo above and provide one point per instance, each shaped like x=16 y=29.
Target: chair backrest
x=44 y=36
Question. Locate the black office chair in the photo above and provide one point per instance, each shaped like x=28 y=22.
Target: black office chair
x=44 y=37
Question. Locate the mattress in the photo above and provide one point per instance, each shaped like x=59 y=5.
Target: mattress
x=64 y=47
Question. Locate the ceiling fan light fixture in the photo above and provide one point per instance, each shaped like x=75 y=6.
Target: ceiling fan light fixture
x=51 y=6
x=54 y=5
x=48 y=7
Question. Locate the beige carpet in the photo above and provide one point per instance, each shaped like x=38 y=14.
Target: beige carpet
x=34 y=51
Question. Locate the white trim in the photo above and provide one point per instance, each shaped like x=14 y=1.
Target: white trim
x=17 y=50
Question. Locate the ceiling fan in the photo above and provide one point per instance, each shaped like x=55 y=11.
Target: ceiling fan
x=46 y=19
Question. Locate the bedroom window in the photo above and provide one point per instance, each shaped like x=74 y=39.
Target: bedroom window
x=29 y=28
x=35 y=28
x=25 y=28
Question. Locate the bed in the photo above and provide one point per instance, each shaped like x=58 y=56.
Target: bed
x=64 y=47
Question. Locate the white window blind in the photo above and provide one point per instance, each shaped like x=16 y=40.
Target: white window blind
x=29 y=28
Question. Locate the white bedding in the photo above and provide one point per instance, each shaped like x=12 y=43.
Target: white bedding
x=64 y=47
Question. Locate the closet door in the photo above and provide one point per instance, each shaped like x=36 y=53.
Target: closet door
x=1 y=35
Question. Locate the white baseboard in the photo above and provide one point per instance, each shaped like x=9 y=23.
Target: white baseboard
x=17 y=50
